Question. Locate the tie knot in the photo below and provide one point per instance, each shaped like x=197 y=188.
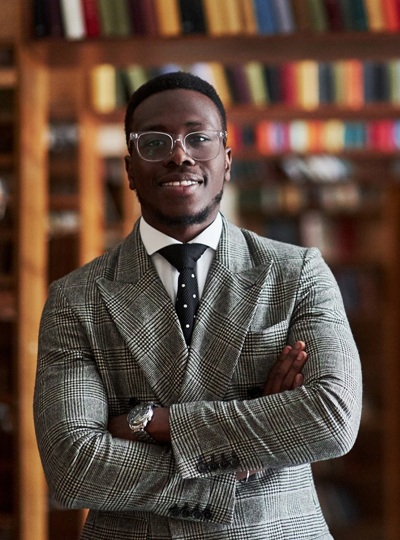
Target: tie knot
x=183 y=255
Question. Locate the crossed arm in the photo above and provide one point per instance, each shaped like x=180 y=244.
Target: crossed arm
x=285 y=375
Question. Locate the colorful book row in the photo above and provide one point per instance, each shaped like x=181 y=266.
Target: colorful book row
x=81 y=19
x=306 y=85
x=317 y=136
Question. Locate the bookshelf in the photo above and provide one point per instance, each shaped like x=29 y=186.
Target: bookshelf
x=53 y=73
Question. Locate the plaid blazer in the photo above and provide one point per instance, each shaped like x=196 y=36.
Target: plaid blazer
x=109 y=331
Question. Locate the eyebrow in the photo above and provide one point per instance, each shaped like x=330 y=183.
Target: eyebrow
x=161 y=127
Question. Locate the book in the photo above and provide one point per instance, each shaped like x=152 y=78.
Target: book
x=308 y=84
x=288 y=83
x=358 y=15
x=354 y=84
x=73 y=19
x=168 y=17
x=375 y=17
x=394 y=81
x=325 y=83
x=266 y=17
x=346 y=13
x=334 y=15
x=41 y=22
x=237 y=81
x=107 y=17
x=233 y=17
x=339 y=77
x=103 y=83
x=391 y=14
x=256 y=83
x=150 y=18
x=92 y=18
x=273 y=80
x=215 y=18
x=301 y=15
x=121 y=18
x=55 y=18
x=137 y=17
x=318 y=15
x=248 y=17
x=192 y=17
x=284 y=16
x=221 y=83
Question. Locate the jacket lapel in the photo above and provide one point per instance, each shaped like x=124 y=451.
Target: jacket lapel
x=226 y=309
x=146 y=318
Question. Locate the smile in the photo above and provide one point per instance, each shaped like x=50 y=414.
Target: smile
x=181 y=183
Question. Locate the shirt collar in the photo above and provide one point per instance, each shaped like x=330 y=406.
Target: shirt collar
x=154 y=240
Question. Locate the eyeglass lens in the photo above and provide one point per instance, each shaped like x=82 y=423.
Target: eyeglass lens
x=200 y=145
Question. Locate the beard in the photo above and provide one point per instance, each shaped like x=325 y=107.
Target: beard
x=188 y=219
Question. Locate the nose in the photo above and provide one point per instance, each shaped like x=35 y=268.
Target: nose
x=179 y=155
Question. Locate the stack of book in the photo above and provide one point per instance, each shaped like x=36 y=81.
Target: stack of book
x=315 y=136
x=82 y=19
x=305 y=85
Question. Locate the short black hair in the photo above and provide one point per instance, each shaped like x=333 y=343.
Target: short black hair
x=172 y=81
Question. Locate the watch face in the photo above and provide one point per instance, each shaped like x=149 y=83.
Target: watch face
x=140 y=415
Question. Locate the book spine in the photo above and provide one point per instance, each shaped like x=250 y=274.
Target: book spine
x=391 y=15
x=136 y=17
x=266 y=19
x=346 y=14
x=121 y=17
x=55 y=18
x=374 y=13
x=301 y=15
x=318 y=15
x=334 y=15
x=358 y=15
x=73 y=19
x=247 y=13
x=92 y=18
x=284 y=16
x=41 y=22
x=168 y=18
x=192 y=16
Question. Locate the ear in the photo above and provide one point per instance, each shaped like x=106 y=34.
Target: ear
x=228 y=164
x=129 y=172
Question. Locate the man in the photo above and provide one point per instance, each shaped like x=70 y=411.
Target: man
x=225 y=451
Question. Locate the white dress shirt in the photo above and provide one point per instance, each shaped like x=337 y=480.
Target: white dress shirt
x=154 y=240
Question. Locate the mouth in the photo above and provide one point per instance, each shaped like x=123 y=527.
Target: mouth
x=179 y=181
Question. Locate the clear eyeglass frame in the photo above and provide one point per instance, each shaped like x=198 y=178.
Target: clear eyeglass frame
x=135 y=136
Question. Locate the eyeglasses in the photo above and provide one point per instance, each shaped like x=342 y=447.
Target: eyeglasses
x=158 y=146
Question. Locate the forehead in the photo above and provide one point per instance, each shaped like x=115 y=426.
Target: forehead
x=173 y=109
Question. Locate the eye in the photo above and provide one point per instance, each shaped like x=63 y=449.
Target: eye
x=153 y=142
x=198 y=138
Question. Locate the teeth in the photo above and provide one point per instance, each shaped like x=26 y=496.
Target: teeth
x=183 y=183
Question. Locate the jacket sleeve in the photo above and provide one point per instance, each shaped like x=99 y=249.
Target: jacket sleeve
x=85 y=466
x=317 y=421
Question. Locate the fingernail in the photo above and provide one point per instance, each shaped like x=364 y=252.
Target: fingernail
x=297 y=345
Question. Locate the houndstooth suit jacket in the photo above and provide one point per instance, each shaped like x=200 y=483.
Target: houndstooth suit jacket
x=110 y=331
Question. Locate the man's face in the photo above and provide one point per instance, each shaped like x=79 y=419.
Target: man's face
x=178 y=196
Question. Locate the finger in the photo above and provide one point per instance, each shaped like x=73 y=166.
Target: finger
x=285 y=368
x=271 y=376
x=295 y=369
x=298 y=381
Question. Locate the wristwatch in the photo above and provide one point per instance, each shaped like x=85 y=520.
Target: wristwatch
x=138 y=418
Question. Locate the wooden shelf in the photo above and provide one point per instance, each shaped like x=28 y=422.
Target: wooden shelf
x=249 y=114
x=64 y=202
x=197 y=48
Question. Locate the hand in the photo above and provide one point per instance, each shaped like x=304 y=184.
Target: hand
x=286 y=372
x=284 y=375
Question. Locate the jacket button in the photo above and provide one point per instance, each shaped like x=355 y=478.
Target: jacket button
x=197 y=513
x=213 y=465
x=224 y=463
x=174 y=511
x=185 y=512
x=201 y=466
x=207 y=513
x=234 y=460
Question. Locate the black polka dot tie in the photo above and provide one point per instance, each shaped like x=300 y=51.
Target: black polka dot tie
x=184 y=258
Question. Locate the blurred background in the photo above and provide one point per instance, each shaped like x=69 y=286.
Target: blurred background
x=312 y=92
